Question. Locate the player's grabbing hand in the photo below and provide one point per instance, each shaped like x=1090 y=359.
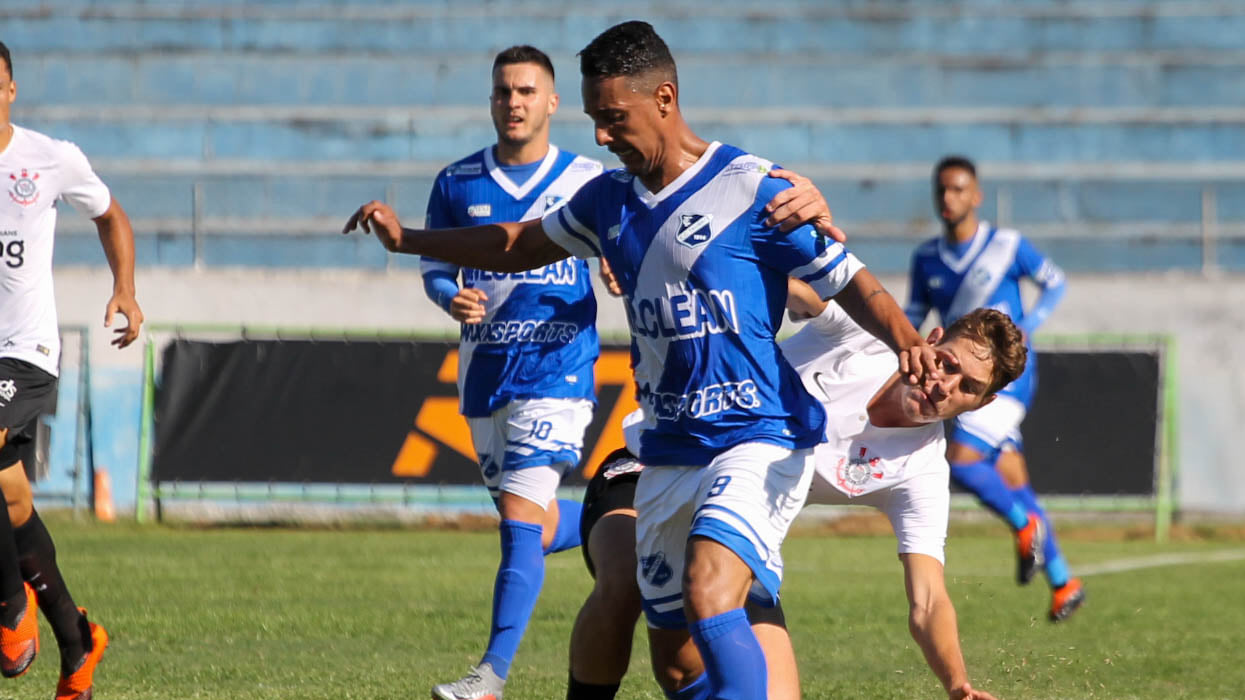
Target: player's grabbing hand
x=379 y=218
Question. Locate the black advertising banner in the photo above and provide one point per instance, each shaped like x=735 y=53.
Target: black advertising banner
x=360 y=412
x=1093 y=428
x=353 y=412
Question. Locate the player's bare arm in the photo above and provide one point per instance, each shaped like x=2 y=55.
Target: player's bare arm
x=870 y=305
x=117 y=237
x=803 y=302
x=506 y=247
x=802 y=203
x=932 y=622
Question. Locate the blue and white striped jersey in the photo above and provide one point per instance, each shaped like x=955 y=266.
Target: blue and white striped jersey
x=705 y=284
x=986 y=274
x=538 y=338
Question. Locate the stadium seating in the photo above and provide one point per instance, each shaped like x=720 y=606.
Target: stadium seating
x=1104 y=129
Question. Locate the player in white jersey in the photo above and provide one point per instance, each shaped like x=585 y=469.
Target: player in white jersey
x=38 y=171
x=728 y=430
x=972 y=265
x=528 y=344
x=885 y=448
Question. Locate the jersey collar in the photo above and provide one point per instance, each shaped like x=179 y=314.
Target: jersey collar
x=507 y=185
x=958 y=265
x=651 y=200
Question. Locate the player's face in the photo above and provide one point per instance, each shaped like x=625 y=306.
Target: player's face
x=522 y=102
x=956 y=195
x=8 y=92
x=626 y=119
x=966 y=368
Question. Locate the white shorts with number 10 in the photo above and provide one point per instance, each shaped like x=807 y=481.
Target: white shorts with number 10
x=527 y=446
x=744 y=499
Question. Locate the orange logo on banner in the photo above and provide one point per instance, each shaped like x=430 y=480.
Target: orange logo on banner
x=438 y=422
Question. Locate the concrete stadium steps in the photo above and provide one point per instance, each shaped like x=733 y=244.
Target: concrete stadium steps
x=827 y=77
x=783 y=136
x=967 y=27
x=287 y=201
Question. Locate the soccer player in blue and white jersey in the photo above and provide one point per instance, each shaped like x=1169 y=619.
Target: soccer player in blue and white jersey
x=974 y=265
x=528 y=344
x=728 y=428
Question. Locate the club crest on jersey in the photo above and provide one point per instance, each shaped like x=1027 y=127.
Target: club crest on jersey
x=694 y=229
x=25 y=188
x=852 y=474
x=552 y=201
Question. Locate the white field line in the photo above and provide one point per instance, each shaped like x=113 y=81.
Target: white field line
x=1174 y=559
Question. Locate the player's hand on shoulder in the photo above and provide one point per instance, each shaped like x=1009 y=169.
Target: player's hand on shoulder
x=802 y=203
x=609 y=280
x=379 y=218
x=125 y=304
x=968 y=692
x=468 y=305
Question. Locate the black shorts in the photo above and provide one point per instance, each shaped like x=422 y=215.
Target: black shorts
x=611 y=488
x=26 y=392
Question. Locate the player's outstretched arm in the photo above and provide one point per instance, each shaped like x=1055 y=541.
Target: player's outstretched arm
x=117 y=238
x=508 y=247
x=931 y=620
x=870 y=305
x=802 y=203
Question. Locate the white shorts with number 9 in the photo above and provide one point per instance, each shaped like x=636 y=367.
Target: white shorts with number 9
x=744 y=499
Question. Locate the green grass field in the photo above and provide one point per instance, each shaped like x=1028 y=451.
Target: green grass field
x=386 y=613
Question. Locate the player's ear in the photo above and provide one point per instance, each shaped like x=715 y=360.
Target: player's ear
x=554 y=100
x=666 y=96
x=935 y=336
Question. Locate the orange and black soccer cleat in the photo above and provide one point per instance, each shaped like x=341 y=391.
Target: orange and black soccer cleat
x=1066 y=599
x=1030 y=549
x=77 y=685
x=19 y=645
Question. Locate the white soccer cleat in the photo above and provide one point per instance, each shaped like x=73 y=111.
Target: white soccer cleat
x=480 y=684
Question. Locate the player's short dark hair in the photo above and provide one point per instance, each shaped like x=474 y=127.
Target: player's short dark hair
x=955 y=162
x=8 y=58
x=524 y=53
x=995 y=330
x=629 y=49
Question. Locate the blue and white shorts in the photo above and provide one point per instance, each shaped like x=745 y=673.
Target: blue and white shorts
x=746 y=499
x=993 y=427
x=527 y=446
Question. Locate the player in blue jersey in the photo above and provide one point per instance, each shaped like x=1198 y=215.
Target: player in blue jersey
x=527 y=348
x=973 y=265
x=727 y=427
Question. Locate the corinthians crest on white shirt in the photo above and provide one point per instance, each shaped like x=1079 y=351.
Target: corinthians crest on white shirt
x=853 y=473
x=24 y=187
x=694 y=229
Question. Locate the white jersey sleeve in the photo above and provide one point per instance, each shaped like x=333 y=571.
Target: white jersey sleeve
x=81 y=187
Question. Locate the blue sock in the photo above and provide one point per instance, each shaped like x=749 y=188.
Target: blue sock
x=696 y=690
x=567 y=534
x=983 y=481
x=734 y=661
x=519 y=577
x=1056 y=565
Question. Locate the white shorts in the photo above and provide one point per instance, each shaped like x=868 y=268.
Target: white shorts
x=745 y=499
x=991 y=427
x=527 y=446
x=917 y=509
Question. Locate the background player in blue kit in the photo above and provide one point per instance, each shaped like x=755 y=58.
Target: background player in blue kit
x=973 y=265
x=727 y=429
x=527 y=348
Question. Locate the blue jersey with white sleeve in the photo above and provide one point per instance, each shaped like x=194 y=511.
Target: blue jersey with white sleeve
x=705 y=284
x=985 y=272
x=538 y=337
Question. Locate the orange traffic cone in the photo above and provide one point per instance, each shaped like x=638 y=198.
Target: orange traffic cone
x=104 y=509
